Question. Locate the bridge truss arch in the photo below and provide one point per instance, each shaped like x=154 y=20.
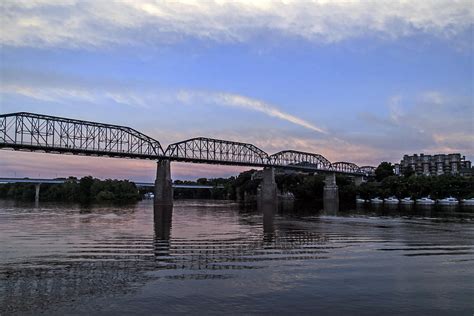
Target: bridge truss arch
x=35 y=132
x=368 y=170
x=346 y=167
x=299 y=159
x=209 y=150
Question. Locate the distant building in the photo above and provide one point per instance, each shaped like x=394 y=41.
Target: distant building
x=396 y=169
x=433 y=165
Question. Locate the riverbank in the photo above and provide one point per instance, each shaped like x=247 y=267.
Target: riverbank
x=84 y=190
x=302 y=187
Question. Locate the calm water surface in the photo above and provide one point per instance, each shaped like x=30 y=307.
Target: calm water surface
x=205 y=257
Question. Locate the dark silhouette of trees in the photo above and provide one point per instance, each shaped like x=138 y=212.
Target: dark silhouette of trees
x=384 y=170
x=408 y=172
x=85 y=190
x=419 y=186
x=304 y=187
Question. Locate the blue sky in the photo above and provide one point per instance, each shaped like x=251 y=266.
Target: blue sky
x=355 y=81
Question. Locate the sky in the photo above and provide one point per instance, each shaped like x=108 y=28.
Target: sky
x=358 y=81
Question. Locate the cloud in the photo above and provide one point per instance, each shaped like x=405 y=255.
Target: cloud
x=72 y=90
x=64 y=94
x=431 y=122
x=48 y=94
x=93 y=24
x=239 y=101
x=419 y=126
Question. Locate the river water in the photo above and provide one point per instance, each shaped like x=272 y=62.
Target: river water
x=216 y=257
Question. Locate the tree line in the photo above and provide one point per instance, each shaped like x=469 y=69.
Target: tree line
x=386 y=183
x=84 y=190
x=304 y=187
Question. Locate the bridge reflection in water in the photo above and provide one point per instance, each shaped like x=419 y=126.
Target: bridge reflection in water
x=72 y=259
x=108 y=266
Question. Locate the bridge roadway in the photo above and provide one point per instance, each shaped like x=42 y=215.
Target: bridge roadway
x=51 y=134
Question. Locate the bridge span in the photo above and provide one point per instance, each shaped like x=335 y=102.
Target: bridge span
x=32 y=132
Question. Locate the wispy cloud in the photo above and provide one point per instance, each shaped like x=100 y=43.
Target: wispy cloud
x=431 y=122
x=92 y=24
x=64 y=94
x=239 y=101
x=144 y=97
x=49 y=94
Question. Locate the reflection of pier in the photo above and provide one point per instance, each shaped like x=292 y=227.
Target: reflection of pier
x=268 y=214
x=111 y=266
x=234 y=254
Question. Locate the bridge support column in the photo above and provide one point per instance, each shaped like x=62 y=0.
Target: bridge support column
x=163 y=183
x=358 y=180
x=268 y=186
x=331 y=193
x=37 y=192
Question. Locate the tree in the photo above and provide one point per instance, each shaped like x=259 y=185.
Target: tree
x=408 y=172
x=85 y=185
x=202 y=181
x=384 y=170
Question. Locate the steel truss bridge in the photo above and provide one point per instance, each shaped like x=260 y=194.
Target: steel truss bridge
x=50 y=134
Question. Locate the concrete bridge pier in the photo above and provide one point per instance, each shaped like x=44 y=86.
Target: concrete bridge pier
x=331 y=193
x=37 y=192
x=163 y=183
x=268 y=187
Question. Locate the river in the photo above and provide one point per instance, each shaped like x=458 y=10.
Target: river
x=219 y=257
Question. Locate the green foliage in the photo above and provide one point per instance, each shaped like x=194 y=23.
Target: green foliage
x=85 y=190
x=85 y=185
x=216 y=193
x=244 y=183
x=309 y=188
x=384 y=170
x=303 y=186
x=419 y=186
x=408 y=172
x=369 y=190
x=105 y=195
